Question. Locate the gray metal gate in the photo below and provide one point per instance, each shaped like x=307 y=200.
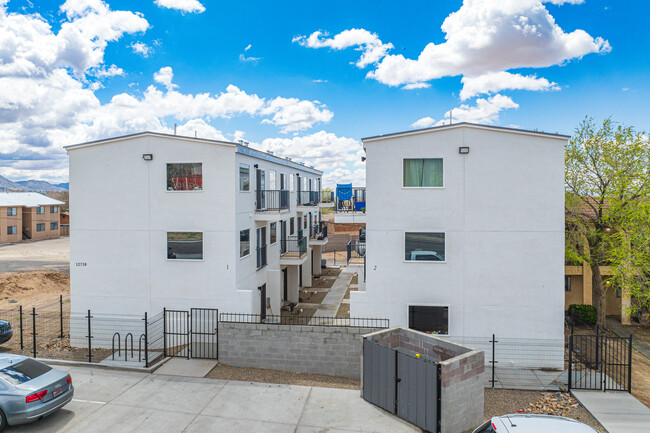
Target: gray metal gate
x=402 y=384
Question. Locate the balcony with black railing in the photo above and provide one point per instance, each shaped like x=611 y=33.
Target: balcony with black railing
x=318 y=231
x=293 y=247
x=272 y=200
x=261 y=257
x=308 y=198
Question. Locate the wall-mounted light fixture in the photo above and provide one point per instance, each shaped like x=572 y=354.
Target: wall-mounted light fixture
x=363 y=158
x=147 y=156
x=256 y=165
x=463 y=150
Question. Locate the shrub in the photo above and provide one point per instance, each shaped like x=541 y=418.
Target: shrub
x=584 y=313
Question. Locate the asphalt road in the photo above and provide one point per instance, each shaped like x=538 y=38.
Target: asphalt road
x=30 y=256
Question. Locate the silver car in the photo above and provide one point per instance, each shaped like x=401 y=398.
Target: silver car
x=30 y=390
x=530 y=423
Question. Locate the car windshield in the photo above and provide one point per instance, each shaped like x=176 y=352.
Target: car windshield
x=24 y=371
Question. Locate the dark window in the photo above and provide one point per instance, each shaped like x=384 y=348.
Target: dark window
x=40 y=227
x=244 y=242
x=291 y=226
x=618 y=292
x=244 y=177
x=54 y=226
x=185 y=245
x=54 y=209
x=12 y=211
x=428 y=247
x=432 y=320
x=185 y=177
x=12 y=230
x=24 y=371
x=274 y=232
x=40 y=210
x=567 y=283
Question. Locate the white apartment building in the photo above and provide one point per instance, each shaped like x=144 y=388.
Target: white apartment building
x=465 y=232
x=164 y=221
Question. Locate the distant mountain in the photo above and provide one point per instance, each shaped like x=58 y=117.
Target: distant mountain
x=31 y=185
x=40 y=185
x=6 y=184
x=65 y=186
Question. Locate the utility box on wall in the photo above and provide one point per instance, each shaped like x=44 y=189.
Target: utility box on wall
x=428 y=381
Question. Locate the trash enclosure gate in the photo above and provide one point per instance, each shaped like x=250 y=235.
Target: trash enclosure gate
x=599 y=362
x=191 y=334
x=402 y=384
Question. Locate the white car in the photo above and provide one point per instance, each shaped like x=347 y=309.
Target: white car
x=429 y=256
x=530 y=423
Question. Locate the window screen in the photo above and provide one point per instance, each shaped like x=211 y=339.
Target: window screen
x=432 y=320
x=427 y=247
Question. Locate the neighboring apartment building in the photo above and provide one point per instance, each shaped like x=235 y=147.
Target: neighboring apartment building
x=28 y=215
x=465 y=232
x=164 y=221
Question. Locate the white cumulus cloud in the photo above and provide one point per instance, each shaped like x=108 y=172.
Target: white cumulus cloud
x=484 y=110
x=141 y=48
x=494 y=82
x=192 y=6
x=424 y=122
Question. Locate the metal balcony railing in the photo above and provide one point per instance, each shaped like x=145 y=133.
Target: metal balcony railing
x=318 y=231
x=356 y=202
x=272 y=200
x=261 y=257
x=308 y=198
x=293 y=247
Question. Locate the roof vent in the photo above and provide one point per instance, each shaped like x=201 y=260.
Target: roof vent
x=270 y=152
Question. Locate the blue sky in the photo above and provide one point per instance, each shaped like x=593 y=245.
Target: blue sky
x=307 y=97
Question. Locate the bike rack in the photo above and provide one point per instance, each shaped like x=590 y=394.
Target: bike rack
x=142 y=337
x=126 y=346
x=119 y=347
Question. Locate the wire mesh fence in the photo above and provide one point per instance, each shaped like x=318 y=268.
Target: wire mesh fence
x=354 y=322
x=520 y=363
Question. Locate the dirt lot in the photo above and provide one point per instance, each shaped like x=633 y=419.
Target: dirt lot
x=311 y=297
x=32 y=289
x=274 y=376
x=51 y=255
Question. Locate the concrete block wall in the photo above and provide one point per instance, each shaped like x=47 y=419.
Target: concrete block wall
x=330 y=350
x=461 y=392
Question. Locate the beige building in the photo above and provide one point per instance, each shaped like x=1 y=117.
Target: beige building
x=28 y=215
x=578 y=289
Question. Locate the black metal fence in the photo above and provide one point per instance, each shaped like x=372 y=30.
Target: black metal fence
x=272 y=200
x=600 y=362
x=293 y=247
x=318 y=231
x=354 y=322
x=308 y=198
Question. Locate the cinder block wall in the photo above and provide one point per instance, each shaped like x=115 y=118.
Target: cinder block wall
x=331 y=350
x=461 y=392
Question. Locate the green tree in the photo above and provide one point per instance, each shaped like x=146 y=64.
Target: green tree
x=607 y=182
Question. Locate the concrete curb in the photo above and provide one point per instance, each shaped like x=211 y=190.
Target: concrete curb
x=102 y=366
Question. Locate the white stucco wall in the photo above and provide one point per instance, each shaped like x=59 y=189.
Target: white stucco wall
x=502 y=210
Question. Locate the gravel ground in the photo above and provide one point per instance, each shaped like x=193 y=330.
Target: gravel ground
x=274 y=376
x=505 y=401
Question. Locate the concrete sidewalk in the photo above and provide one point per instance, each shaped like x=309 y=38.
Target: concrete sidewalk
x=617 y=411
x=120 y=401
x=332 y=301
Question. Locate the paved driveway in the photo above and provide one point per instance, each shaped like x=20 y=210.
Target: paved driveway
x=112 y=401
x=46 y=255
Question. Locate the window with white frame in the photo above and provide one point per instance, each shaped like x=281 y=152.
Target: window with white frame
x=12 y=230
x=185 y=245
x=12 y=211
x=423 y=173
x=244 y=177
x=424 y=246
x=429 y=319
x=244 y=242
x=185 y=176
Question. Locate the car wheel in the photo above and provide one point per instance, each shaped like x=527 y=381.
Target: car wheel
x=3 y=420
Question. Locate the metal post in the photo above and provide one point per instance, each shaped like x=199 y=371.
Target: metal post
x=629 y=366
x=34 y=329
x=598 y=364
x=61 y=313
x=90 y=352
x=397 y=381
x=146 y=341
x=570 y=359
x=165 y=332
x=21 y=327
x=493 y=362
